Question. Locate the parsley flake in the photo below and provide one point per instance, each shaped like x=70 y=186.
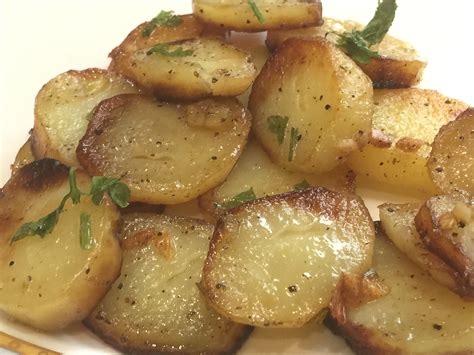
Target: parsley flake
x=164 y=49
x=277 y=124
x=302 y=185
x=294 y=139
x=256 y=11
x=238 y=199
x=85 y=232
x=164 y=18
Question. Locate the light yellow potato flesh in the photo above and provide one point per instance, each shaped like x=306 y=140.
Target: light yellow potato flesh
x=210 y=68
x=51 y=282
x=398 y=222
x=254 y=170
x=238 y=15
x=326 y=98
x=451 y=162
x=418 y=316
x=63 y=107
x=405 y=123
x=155 y=305
x=274 y=262
x=399 y=64
x=23 y=157
x=166 y=153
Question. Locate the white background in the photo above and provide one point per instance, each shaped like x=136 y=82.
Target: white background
x=40 y=39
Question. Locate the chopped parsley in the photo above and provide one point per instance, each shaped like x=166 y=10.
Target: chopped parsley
x=302 y=185
x=164 y=49
x=294 y=139
x=238 y=199
x=277 y=124
x=85 y=232
x=164 y=18
x=256 y=11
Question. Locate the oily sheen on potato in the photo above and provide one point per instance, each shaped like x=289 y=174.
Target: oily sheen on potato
x=451 y=162
x=398 y=222
x=63 y=107
x=155 y=304
x=188 y=69
x=258 y=15
x=23 y=157
x=417 y=316
x=311 y=106
x=275 y=261
x=446 y=224
x=166 y=153
x=51 y=282
x=405 y=123
x=397 y=67
x=254 y=170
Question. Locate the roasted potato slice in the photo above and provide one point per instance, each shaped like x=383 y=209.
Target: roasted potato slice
x=451 y=162
x=62 y=110
x=51 y=282
x=255 y=171
x=189 y=69
x=166 y=153
x=258 y=15
x=404 y=125
x=418 y=316
x=274 y=262
x=311 y=106
x=398 y=66
x=23 y=157
x=155 y=305
x=398 y=222
x=446 y=224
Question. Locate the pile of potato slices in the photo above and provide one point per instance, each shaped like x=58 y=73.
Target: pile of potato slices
x=206 y=185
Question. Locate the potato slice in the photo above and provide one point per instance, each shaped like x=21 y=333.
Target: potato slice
x=446 y=224
x=155 y=305
x=62 y=110
x=254 y=170
x=311 y=106
x=398 y=66
x=451 y=162
x=404 y=125
x=189 y=69
x=51 y=282
x=166 y=153
x=274 y=262
x=418 y=316
x=398 y=222
x=241 y=15
x=23 y=157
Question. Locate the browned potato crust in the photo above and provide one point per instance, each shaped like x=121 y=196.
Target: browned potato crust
x=155 y=305
x=237 y=15
x=23 y=157
x=418 y=316
x=446 y=224
x=398 y=67
x=327 y=102
x=51 y=282
x=166 y=153
x=274 y=262
x=451 y=162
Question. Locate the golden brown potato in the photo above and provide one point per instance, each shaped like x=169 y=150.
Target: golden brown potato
x=398 y=222
x=418 y=316
x=155 y=305
x=451 y=162
x=254 y=170
x=50 y=282
x=166 y=153
x=258 y=15
x=274 y=262
x=187 y=70
x=63 y=107
x=398 y=66
x=23 y=157
x=404 y=125
x=311 y=106
x=446 y=224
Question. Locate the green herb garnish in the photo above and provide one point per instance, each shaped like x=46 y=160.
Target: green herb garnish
x=294 y=139
x=256 y=11
x=118 y=192
x=164 y=49
x=164 y=18
x=302 y=185
x=277 y=124
x=357 y=43
x=238 y=199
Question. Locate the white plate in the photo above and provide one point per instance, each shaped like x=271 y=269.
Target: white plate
x=40 y=39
